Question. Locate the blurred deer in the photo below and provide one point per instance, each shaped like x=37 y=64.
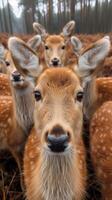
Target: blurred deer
x=54 y=161
x=16 y=116
x=98 y=109
x=101 y=136
x=6 y=63
x=93 y=57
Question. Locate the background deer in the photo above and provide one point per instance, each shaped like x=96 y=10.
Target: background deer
x=93 y=57
x=98 y=98
x=16 y=116
x=101 y=136
x=16 y=110
x=56 y=50
x=7 y=66
x=54 y=134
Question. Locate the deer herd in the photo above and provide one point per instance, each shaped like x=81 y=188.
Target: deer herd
x=48 y=85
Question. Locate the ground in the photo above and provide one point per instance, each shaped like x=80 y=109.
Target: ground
x=9 y=178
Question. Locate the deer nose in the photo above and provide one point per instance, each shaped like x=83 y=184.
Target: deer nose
x=55 y=62
x=16 y=76
x=57 y=139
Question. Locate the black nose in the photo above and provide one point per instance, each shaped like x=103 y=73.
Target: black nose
x=55 y=61
x=57 y=139
x=16 y=76
x=57 y=144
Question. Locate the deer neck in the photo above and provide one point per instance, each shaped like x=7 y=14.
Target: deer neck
x=23 y=108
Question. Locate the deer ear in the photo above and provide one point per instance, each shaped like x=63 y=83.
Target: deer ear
x=34 y=42
x=68 y=29
x=77 y=45
x=39 y=29
x=91 y=58
x=25 y=59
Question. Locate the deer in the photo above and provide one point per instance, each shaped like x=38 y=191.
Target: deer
x=90 y=94
x=6 y=63
x=55 y=147
x=54 y=157
x=55 y=49
x=101 y=136
x=16 y=111
x=98 y=108
x=16 y=119
x=98 y=102
x=16 y=115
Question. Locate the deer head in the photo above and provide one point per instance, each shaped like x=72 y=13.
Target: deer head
x=90 y=62
x=56 y=47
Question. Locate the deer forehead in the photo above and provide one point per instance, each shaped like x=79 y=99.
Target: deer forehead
x=60 y=78
x=54 y=39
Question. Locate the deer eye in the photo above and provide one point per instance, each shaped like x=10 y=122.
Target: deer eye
x=46 y=47
x=79 y=96
x=63 y=47
x=37 y=95
x=7 y=63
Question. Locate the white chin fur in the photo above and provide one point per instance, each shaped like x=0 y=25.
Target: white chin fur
x=68 y=150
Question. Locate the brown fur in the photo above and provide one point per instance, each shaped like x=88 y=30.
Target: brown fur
x=101 y=135
x=4 y=85
x=101 y=152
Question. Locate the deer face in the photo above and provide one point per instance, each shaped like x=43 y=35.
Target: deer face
x=55 y=50
x=58 y=109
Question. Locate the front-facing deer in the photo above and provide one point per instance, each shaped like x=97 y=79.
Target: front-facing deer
x=57 y=50
x=54 y=161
